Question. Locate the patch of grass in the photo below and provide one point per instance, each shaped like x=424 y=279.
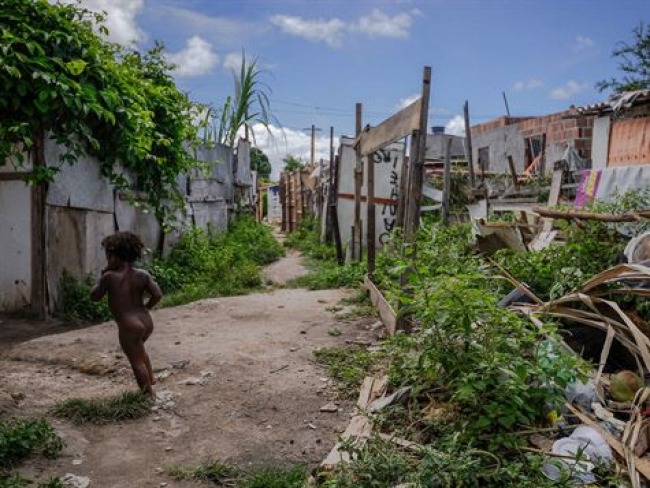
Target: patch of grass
x=348 y=366
x=275 y=478
x=214 y=472
x=324 y=275
x=126 y=406
x=21 y=438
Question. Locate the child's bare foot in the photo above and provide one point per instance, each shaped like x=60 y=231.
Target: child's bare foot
x=152 y=380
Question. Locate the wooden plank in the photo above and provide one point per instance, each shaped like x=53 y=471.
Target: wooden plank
x=412 y=216
x=370 y=210
x=358 y=180
x=553 y=197
x=386 y=312
x=14 y=175
x=393 y=128
x=642 y=464
x=513 y=173
x=602 y=217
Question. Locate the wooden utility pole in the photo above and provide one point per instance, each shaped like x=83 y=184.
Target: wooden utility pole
x=38 y=233
x=357 y=229
x=370 y=207
x=416 y=179
x=446 y=195
x=468 y=146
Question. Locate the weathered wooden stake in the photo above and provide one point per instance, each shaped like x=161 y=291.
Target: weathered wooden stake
x=468 y=146
x=370 y=206
x=358 y=175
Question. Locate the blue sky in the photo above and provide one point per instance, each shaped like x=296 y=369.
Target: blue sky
x=322 y=56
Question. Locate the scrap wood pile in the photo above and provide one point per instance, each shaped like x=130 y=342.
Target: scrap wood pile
x=492 y=396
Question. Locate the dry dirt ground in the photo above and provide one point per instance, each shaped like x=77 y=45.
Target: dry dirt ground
x=250 y=394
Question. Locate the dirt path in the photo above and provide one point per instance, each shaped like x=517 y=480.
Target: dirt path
x=250 y=394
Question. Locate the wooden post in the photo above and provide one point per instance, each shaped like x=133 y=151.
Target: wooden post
x=334 y=212
x=38 y=233
x=468 y=146
x=329 y=234
x=370 y=207
x=446 y=195
x=513 y=173
x=412 y=217
x=402 y=201
x=358 y=175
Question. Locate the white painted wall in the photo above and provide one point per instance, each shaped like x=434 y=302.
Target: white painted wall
x=600 y=142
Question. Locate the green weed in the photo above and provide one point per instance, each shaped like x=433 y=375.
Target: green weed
x=324 y=275
x=126 y=406
x=20 y=438
x=348 y=366
x=275 y=478
x=76 y=306
x=212 y=471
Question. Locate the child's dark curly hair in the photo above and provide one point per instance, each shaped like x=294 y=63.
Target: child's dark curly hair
x=124 y=245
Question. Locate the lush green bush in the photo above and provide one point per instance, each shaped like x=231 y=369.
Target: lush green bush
x=307 y=239
x=21 y=438
x=76 y=306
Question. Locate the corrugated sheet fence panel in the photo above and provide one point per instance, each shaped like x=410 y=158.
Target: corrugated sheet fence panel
x=15 y=245
x=629 y=143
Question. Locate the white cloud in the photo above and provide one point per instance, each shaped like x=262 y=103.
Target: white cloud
x=329 y=31
x=379 y=24
x=120 y=18
x=582 y=43
x=281 y=142
x=229 y=33
x=233 y=62
x=567 y=91
x=196 y=59
x=406 y=101
x=456 y=126
x=531 y=84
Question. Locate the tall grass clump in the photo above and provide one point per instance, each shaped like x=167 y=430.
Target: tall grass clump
x=126 y=406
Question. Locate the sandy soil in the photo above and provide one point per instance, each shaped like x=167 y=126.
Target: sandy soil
x=249 y=395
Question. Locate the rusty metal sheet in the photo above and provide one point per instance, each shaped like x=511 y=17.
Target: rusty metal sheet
x=629 y=143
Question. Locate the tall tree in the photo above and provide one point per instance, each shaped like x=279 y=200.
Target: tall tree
x=292 y=163
x=260 y=163
x=634 y=62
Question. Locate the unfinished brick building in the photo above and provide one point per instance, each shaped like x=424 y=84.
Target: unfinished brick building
x=534 y=143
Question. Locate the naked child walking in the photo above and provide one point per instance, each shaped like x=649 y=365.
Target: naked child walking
x=126 y=287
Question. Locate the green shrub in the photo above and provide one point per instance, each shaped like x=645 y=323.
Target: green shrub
x=76 y=306
x=275 y=478
x=325 y=275
x=126 y=406
x=21 y=438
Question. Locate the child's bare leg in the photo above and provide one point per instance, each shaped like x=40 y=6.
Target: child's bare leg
x=133 y=347
x=152 y=377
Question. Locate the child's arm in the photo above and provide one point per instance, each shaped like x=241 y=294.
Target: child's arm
x=99 y=290
x=154 y=291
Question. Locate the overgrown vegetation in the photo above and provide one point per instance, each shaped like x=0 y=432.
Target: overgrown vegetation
x=202 y=265
x=477 y=372
x=220 y=474
x=126 y=406
x=21 y=438
x=324 y=272
x=348 y=366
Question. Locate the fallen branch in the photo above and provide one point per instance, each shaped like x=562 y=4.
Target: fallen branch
x=602 y=217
